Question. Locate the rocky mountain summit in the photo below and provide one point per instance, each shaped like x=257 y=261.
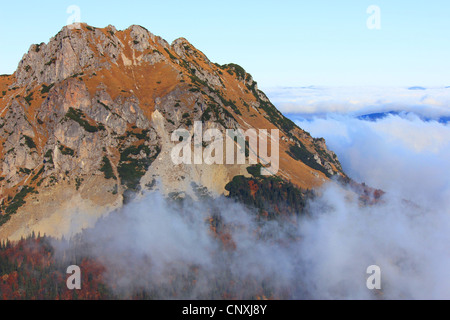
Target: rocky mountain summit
x=86 y=122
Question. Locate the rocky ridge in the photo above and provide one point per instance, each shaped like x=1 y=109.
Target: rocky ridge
x=85 y=124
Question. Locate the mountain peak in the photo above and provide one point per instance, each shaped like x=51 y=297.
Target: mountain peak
x=181 y=41
x=80 y=48
x=90 y=114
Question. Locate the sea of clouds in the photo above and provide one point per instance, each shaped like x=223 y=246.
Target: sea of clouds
x=408 y=156
x=314 y=101
x=405 y=154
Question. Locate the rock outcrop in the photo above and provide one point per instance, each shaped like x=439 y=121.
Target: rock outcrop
x=93 y=111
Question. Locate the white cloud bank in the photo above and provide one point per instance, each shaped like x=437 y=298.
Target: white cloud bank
x=410 y=244
x=410 y=240
x=314 y=101
x=154 y=246
x=406 y=157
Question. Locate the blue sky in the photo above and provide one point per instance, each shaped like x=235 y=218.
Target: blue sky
x=282 y=43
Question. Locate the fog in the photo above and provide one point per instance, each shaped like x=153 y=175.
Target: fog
x=407 y=234
x=409 y=158
x=171 y=250
x=409 y=243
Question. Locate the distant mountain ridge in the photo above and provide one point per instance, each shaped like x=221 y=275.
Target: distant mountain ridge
x=382 y=115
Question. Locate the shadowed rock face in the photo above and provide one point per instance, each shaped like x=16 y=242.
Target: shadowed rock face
x=87 y=118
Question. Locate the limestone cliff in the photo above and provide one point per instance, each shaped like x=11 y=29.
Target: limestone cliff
x=86 y=120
